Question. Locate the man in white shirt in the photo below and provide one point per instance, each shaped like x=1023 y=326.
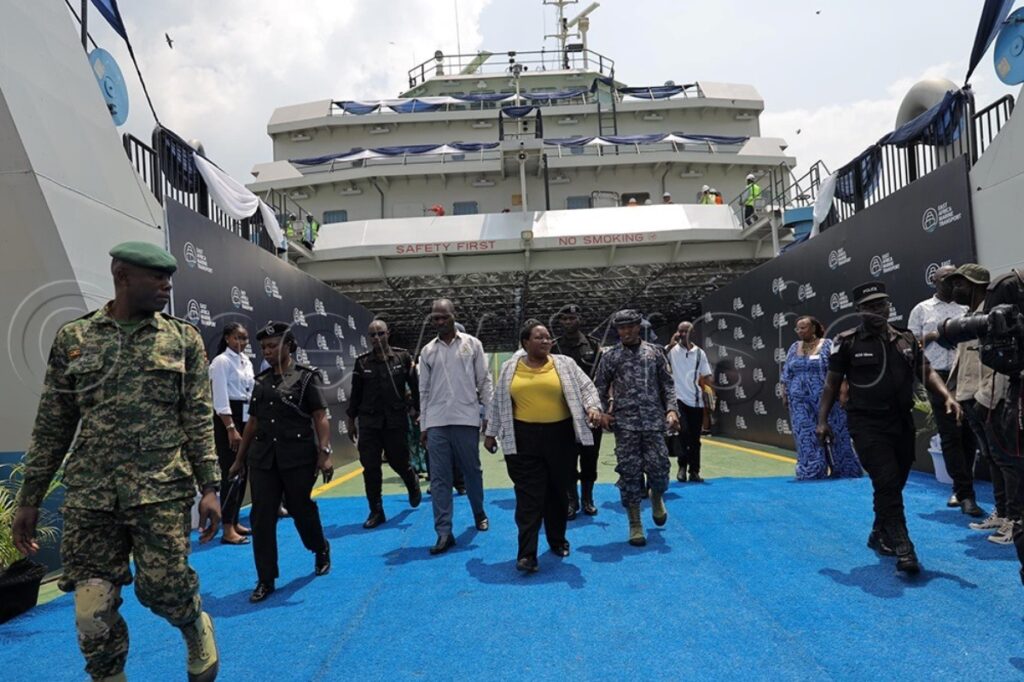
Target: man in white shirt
x=454 y=383
x=958 y=445
x=691 y=373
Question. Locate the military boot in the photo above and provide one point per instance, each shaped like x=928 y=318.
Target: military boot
x=878 y=542
x=658 y=511
x=636 y=526
x=203 y=658
x=376 y=516
x=899 y=539
x=588 y=498
x=574 y=503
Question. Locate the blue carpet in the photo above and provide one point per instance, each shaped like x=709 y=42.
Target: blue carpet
x=750 y=579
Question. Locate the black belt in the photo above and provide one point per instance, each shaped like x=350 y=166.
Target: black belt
x=232 y=400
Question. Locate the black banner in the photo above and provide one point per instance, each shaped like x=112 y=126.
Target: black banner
x=223 y=278
x=748 y=325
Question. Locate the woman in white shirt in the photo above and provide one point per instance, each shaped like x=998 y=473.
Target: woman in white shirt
x=232 y=377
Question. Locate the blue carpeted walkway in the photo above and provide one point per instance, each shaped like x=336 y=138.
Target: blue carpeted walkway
x=750 y=579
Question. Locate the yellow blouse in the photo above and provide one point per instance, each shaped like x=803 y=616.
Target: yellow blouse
x=537 y=396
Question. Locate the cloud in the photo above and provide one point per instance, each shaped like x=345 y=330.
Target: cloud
x=235 y=61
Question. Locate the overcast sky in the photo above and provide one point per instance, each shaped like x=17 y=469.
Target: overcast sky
x=837 y=76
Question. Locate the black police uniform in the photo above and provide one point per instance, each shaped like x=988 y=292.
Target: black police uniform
x=381 y=408
x=586 y=353
x=880 y=370
x=282 y=461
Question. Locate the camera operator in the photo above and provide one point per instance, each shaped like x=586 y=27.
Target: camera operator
x=958 y=447
x=970 y=283
x=880 y=364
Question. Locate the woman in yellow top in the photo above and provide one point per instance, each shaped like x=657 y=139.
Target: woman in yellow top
x=542 y=405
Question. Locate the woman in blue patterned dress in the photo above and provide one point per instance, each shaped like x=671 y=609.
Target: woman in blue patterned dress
x=803 y=377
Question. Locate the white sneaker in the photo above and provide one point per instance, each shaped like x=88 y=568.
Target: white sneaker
x=1003 y=536
x=993 y=522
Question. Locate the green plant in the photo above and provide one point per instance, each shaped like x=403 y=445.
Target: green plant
x=45 y=530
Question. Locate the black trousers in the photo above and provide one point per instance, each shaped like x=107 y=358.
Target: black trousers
x=229 y=506
x=587 y=470
x=541 y=471
x=958 y=447
x=393 y=443
x=1007 y=461
x=995 y=473
x=885 y=447
x=269 y=488
x=686 y=445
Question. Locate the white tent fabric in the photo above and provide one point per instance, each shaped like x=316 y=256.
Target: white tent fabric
x=823 y=203
x=235 y=200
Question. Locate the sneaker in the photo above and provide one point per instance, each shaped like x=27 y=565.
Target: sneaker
x=1003 y=536
x=993 y=522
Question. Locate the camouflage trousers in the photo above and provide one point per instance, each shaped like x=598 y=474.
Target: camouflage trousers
x=97 y=545
x=641 y=453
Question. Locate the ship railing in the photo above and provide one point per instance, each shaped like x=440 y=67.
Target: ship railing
x=174 y=175
x=487 y=63
x=403 y=160
x=884 y=169
x=583 y=99
x=568 y=151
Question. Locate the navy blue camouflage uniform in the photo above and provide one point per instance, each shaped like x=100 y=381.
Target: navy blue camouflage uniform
x=642 y=394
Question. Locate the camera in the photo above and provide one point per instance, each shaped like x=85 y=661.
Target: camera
x=1000 y=331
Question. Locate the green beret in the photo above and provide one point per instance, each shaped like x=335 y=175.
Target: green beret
x=145 y=255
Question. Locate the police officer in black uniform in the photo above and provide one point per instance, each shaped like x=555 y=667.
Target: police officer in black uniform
x=286 y=441
x=378 y=417
x=880 y=363
x=586 y=351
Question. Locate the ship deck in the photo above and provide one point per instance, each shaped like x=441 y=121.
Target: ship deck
x=754 y=576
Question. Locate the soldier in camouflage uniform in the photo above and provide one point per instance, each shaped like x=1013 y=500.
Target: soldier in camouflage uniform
x=642 y=404
x=135 y=381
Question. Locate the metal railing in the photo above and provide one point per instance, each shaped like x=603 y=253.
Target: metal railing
x=566 y=151
x=487 y=63
x=882 y=170
x=403 y=160
x=172 y=174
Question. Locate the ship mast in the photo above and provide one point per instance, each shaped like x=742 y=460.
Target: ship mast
x=564 y=31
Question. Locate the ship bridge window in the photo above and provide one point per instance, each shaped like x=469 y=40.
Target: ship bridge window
x=338 y=216
x=465 y=208
x=577 y=202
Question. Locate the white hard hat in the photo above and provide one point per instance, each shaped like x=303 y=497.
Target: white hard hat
x=667 y=194
x=705 y=188
x=714 y=191
x=750 y=176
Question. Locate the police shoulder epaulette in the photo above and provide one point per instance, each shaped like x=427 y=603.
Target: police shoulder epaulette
x=396 y=349
x=846 y=334
x=180 y=320
x=306 y=368
x=83 y=318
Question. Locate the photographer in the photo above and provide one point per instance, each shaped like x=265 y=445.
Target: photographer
x=880 y=364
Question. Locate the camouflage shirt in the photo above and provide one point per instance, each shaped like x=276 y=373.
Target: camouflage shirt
x=641 y=386
x=142 y=400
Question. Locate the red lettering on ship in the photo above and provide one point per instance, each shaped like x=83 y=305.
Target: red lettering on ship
x=605 y=239
x=444 y=247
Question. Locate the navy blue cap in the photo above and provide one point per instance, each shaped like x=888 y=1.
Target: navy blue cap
x=272 y=329
x=869 y=291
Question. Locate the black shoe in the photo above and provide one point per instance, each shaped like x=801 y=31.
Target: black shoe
x=527 y=565
x=877 y=543
x=952 y=501
x=570 y=514
x=695 y=478
x=444 y=543
x=322 y=565
x=481 y=520
x=460 y=490
x=588 y=507
x=262 y=591
x=971 y=508
x=375 y=519
x=415 y=494
x=908 y=563
x=561 y=549
x=681 y=476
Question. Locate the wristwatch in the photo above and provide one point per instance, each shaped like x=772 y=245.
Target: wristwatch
x=327 y=450
x=230 y=426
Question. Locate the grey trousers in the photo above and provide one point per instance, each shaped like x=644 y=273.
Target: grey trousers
x=445 y=445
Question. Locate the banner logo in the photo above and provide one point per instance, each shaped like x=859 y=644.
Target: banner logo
x=930 y=220
x=839 y=301
x=756 y=311
x=940 y=216
x=837 y=258
x=780 y=355
x=240 y=299
x=270 y=288
x=352 y=352
x=338 y=331
x=351 y=322
x=341 y=395
x=780 y=390
x=759 y=375
x=199 y=314
x=722 y=324
x=321 y=342
x=741 y=363
x=740 y=393
x=299 y=317
x=342 y=427
x=339 y=362
x=318 y=307
x=779 y=320
x=195 y=257
x=362 y=342
x=782 y=426
x=883 y=264
x=737 y=333
x=759 y=408
x=778 y=285
x=757 y=343
x=723 y=407
x=805 y=292
x=737 y=304
x=723 y=352
x=741 y=423
x=301 y=357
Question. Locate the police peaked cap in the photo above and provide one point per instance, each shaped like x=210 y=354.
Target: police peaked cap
x=571 y=309
x=145 y=255
x=869 y=291
x=272 y=329
x=626 y=317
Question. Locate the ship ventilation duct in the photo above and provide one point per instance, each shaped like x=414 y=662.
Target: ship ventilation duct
x=923 y=96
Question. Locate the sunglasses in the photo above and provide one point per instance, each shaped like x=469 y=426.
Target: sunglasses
x=376 y=334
